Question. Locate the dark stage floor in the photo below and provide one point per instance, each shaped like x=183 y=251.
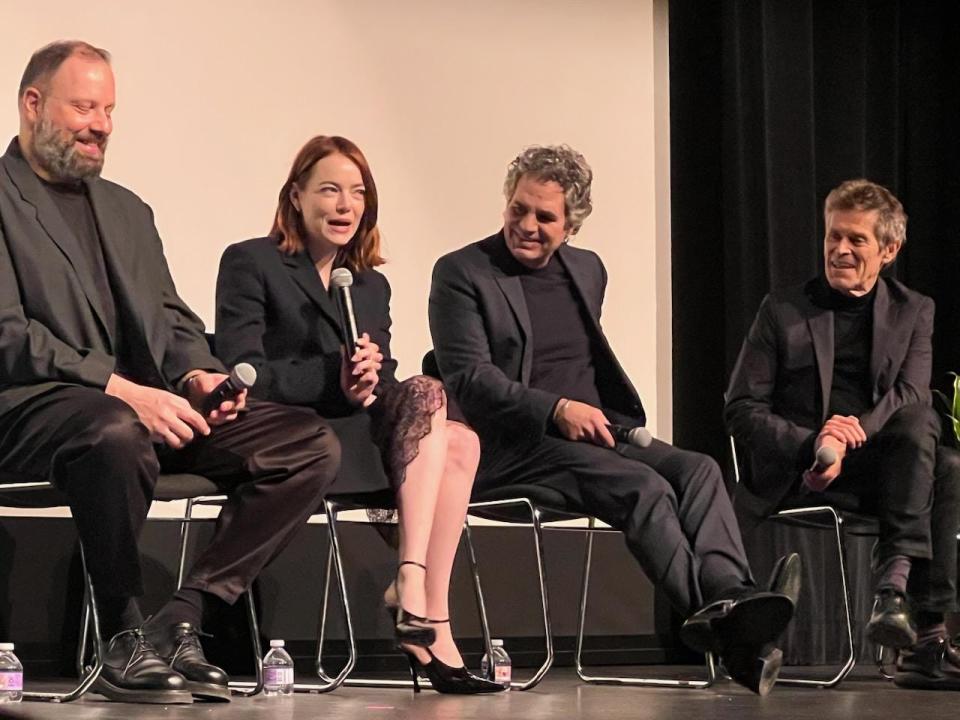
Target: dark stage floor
x=559 y=697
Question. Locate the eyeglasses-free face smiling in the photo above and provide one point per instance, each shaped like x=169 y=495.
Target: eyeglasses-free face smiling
x=534 y=222
x=852 y=255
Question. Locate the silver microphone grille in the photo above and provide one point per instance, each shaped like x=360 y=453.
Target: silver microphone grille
x=826 y=456
x=640 y=437
x=244 y=375
x=341 y=277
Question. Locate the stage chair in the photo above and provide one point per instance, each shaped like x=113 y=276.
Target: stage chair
x=841 y=518
x=169 y=487
x=539 y=507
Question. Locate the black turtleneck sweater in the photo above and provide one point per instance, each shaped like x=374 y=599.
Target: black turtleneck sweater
x=851 y=392
x=562 y=341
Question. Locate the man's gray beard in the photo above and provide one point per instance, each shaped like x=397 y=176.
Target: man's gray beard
x=55 y=152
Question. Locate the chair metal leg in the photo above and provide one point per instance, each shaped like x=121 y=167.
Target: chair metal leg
x=334 y=560
x=615 y=680
x=88 y=675
x=535 y=522
x=184 y=540
x=478 y=594
x=840 y=537
x=245 y=689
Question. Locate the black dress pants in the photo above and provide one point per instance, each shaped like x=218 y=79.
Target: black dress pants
x=274 y=463
x=913 y=487
x=671 y=505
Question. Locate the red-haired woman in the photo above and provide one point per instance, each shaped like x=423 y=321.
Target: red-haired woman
x=275 y=311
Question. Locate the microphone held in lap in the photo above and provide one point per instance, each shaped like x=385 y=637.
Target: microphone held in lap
x=242 y=377
x=638 y=436
x=826 y=456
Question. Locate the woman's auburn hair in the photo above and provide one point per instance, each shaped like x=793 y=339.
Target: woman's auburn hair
x=363 y=250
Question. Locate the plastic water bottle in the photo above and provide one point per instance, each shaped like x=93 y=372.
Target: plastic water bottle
x=502 y=667
x=11 y=675
x=277 y=670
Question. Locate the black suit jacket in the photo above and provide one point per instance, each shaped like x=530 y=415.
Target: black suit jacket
x=274 y=313
x=52 y=323
x=482 y=337
x=779 y=393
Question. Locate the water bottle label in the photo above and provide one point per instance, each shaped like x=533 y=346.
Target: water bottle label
x=11 y=681
x=278 y=676
x=502 y=674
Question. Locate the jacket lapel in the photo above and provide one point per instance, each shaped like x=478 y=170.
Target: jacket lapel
x=304 y=273
x=882 y=344
x=116 y=238
x=820 y=322
x=49 y=217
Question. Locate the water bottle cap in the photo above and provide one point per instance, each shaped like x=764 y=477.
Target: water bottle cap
x=276 y=643
x=4 y=647
x=496 y=643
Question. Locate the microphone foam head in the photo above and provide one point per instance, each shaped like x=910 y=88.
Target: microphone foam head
x=244 y=375
x=341 y=277
x=826 y=456
x=640 y=437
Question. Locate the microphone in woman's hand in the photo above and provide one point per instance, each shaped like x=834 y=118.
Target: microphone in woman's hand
x=341 y=279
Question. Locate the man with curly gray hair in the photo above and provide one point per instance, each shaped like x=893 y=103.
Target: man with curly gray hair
x=515 y=325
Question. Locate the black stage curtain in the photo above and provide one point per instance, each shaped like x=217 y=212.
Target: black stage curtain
x=772 y=105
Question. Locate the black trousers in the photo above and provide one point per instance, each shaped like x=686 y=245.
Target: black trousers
x=274 y=463
x=671 y=505
x=913 y=487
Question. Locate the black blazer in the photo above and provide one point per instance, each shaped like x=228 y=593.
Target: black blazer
x=482 y=337
x=52 y=323
x=779 y=393
x=274 y=313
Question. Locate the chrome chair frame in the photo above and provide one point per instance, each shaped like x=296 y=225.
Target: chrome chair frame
x=537 y=520
x=837 y=522
x=88 y=674
x=332 y=506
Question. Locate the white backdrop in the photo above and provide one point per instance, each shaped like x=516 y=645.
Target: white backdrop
x=215 y=98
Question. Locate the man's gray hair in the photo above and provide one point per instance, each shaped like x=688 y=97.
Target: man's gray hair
x=863 y=195
x=563 y=165
x=47 y=60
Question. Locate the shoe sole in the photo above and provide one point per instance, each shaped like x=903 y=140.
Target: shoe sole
x=153 y=697
x=759 y=673
x=753 y=622
x=210 y=692
x=891 y=636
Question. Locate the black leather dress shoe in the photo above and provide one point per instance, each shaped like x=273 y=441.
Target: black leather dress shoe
x=179 y=645
x=890 y=624
x=133 y=672
x=787 y=577
x=931 y=666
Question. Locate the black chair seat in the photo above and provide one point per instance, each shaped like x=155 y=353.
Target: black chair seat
x=552 y=504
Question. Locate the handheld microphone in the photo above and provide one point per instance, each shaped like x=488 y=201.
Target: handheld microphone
x=638 y=436
x=242 y=377
x=826 y=456
x=342 y=279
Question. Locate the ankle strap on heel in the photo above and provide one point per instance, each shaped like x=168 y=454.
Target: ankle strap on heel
x=410 y=562
x=436 y=622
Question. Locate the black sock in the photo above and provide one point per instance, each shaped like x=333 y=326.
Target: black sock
x=118 y=614
x=893 y=574
x=186 y=606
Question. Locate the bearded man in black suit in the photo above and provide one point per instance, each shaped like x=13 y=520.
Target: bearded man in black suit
x=843 y=363
x=515 y=325
x=102 y=371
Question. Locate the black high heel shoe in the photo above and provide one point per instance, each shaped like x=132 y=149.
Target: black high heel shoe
x=446 y=679
x=407 y=632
